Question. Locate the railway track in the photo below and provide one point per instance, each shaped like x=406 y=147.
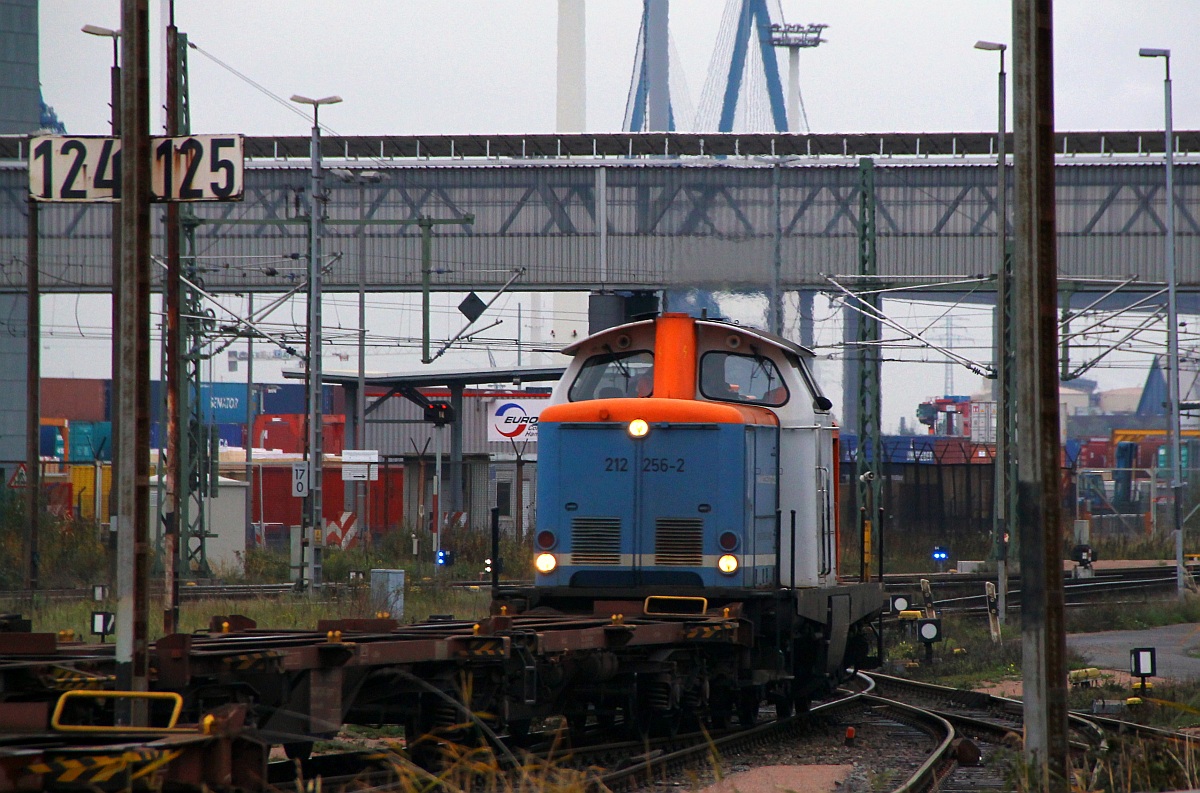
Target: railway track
x=964 y=594
x=657 y=764
x=946 y=739
x=960 y=592
x=212 y=591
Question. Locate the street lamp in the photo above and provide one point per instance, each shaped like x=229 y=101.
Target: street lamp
x=1005 y=402
x=115 y=248
x=1172 y=323
x=115 y=72
x=315 y=423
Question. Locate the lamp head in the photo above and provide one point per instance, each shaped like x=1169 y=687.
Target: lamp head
x=1150 y=52
x=992 y=46
x=327 y=100
x=96 y=30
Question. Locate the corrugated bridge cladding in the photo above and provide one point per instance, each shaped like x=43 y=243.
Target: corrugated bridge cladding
x=629 y=211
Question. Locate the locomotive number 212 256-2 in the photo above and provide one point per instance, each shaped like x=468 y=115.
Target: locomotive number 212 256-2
x=649 y=464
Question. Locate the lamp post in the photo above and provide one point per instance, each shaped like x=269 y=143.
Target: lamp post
x=115 y=122
x=314 y=533
x=1172 y=323
x=1005 y=401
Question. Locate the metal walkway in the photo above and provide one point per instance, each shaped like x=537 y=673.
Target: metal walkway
x=653 y=210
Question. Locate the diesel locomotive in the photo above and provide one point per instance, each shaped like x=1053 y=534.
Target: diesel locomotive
x=687 y=468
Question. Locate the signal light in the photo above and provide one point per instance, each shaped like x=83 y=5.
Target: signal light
x=940 y=554
x=445 y=558
x=545 y=563
x=440 y=413
x=638 y=428
x=728 y=564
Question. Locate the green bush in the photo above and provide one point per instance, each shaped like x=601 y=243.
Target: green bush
x=70 y=552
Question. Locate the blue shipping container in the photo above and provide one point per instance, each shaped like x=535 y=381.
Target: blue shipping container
x=90 y=441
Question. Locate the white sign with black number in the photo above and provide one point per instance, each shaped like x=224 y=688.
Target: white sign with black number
x=300 y=480
x=188 y=168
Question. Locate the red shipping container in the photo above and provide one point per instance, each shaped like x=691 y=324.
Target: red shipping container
x=75 y=400
x=285 y=432
x=1094 y=454
x=948 y=451
x=272 y=500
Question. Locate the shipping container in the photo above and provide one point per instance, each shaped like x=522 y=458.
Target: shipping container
x=272 y=500
x=90 y=440
x=54 y=439
x=286 y=433
x=291 y=398
x=76 y=399
x=223 y=403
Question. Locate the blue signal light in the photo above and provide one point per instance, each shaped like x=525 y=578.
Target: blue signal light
x=940 y=554
x=445 y=558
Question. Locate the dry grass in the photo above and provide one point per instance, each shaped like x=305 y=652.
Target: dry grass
x=287 y=612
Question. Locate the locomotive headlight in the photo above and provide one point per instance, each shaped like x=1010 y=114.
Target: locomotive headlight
x=545 y=563
x=727 y=564
x=638 y=428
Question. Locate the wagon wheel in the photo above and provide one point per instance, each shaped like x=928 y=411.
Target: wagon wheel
x=748 y=700
x=783 y=698
x=720 y=706
x=638 y=718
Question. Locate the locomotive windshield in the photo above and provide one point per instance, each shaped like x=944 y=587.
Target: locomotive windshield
x=742 y=378
x=614 y=375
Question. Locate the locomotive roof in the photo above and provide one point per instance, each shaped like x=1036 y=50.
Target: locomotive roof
x=760 y=335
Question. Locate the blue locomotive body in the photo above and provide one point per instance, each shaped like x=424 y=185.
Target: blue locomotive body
x=659 y=511
x=687 y=471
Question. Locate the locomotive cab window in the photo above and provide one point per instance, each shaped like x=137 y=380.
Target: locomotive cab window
x=614 y=375
x=742 y=378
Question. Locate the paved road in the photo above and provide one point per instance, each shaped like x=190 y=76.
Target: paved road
x=1110 y=649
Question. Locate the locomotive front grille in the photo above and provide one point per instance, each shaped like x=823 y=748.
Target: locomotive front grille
x=679 y=542
x=596 y=541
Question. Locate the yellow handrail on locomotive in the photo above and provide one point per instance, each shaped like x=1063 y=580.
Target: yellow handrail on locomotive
x=56 y=719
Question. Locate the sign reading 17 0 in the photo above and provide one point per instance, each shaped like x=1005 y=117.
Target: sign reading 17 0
x=189 y=168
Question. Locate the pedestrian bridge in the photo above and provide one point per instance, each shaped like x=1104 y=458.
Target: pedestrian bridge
x=635 y=211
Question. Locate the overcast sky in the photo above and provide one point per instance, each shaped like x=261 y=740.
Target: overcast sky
x=421 y=66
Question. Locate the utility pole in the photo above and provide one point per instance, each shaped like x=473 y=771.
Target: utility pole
x=314 y=523
x=251 y=411
x=174 y=386
x=133 y=410
x=1173 y=405
x=868 y=465
x=1002 y=343
x=1043 y=637
x=33 y=399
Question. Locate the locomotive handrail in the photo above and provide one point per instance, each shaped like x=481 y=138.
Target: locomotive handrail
x=823 y=479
